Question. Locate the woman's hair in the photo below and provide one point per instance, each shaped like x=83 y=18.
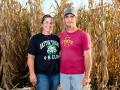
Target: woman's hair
x=46 y=16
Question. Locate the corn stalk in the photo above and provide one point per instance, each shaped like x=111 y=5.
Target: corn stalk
x=14 y=34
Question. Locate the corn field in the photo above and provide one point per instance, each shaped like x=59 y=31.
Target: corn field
x=18 y=24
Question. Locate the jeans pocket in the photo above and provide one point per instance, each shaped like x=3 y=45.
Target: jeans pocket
x=86 y=87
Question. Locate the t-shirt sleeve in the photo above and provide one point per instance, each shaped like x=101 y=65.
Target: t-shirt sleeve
x=60 y=36
x=86 y=41
x=59 y=43
x=58 y=40
x=32 y=46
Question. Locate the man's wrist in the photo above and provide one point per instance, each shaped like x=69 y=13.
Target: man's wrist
x=87 y=76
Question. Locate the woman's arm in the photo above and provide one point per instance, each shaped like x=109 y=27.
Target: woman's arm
x=30 y=63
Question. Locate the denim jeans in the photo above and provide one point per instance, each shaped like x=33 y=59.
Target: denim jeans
x=47 y=82
x=71 y=81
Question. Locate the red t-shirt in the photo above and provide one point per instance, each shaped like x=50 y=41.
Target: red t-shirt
x=73 y=46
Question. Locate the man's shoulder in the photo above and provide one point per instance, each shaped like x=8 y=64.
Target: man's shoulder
x=62 y=32
x=82 y=32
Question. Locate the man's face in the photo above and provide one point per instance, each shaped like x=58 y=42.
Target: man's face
x=70 y=20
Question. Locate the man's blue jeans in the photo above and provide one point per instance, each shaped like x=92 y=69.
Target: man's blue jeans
x=71 y=81
x=47 y=82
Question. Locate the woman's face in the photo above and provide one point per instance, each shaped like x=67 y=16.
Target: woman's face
x=47 y=24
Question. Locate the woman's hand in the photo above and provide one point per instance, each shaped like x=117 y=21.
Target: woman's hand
x=33 y=79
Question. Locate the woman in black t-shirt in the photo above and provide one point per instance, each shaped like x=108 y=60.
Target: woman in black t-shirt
x=43 y=57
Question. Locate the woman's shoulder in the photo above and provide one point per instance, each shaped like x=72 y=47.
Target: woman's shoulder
x=35 y=36
x=55 y=36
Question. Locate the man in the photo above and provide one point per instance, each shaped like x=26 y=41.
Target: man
x=76 y=60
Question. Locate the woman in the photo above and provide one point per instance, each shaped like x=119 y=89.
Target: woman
x=43 y=57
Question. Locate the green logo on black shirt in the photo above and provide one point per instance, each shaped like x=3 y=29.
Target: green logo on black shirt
x=51 y=49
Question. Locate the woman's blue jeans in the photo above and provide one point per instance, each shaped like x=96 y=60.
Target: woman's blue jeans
x=47 y=82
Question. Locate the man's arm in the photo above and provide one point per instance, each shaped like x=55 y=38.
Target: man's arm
x=30 y=63
x=88 y=66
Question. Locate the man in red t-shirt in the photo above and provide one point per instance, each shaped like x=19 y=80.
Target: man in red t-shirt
x=76 y=60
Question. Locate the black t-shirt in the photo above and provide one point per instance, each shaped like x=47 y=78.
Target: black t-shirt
x=46 y=50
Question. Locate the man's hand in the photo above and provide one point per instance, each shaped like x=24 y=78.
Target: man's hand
x=33 y=79
x=86 y=81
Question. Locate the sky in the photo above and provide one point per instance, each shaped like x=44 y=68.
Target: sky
x=49 y=5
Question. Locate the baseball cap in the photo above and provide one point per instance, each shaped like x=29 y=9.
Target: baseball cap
x=70 y=11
